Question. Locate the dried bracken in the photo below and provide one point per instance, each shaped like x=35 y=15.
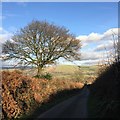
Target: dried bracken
x=22 y=94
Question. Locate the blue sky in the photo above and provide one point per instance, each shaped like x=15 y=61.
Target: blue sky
x=84 y=19
x=80 y=18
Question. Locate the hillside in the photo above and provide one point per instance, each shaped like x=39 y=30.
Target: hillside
x=71 y=72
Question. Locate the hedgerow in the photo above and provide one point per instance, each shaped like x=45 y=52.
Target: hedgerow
x=22 y=94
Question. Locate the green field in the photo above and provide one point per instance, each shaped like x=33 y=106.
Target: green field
x=70 y=72
x=73 y=72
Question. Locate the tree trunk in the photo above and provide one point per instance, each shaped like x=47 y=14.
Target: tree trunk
x=39 y=71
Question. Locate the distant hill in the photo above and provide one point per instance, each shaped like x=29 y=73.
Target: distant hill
x=70 y=72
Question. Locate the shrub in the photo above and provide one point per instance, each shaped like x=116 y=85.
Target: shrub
x=16 y=94
x=21 y=95
x=106 y=90
x=47 y=76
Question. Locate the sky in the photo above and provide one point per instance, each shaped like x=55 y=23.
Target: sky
x=93 y=23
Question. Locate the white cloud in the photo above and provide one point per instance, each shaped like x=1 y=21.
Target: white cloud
x=92 y=58
x=90 y=55
x=111 y=32
x=89 y=62
x=92 y=37
x=4 y=35
x=105 y=46
x=96 y=37
x=84 y=44
x=97 y=47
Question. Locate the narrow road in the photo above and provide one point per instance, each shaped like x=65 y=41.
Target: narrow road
x=75 y=107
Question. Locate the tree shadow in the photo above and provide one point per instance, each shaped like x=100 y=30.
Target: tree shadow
x=105 y=93
x=54 y=99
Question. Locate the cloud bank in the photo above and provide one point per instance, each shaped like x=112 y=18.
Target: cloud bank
x=94 y=37
x=96 y=45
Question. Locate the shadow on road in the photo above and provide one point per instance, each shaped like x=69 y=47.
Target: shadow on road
x=54 y=100
x=74 y=107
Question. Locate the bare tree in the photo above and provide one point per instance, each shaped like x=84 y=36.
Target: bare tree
x=113 y=56
x=118 y=46
x=41 y=43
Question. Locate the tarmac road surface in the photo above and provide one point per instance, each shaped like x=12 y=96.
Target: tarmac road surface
x=75 y=107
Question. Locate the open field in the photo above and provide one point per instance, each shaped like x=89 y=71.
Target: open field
x=69 y=72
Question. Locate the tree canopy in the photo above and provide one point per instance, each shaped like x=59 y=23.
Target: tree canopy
x=41 y=43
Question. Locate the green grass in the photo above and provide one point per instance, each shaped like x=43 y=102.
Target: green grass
x=73 y=72
x=70 y=72
x=66 y=68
